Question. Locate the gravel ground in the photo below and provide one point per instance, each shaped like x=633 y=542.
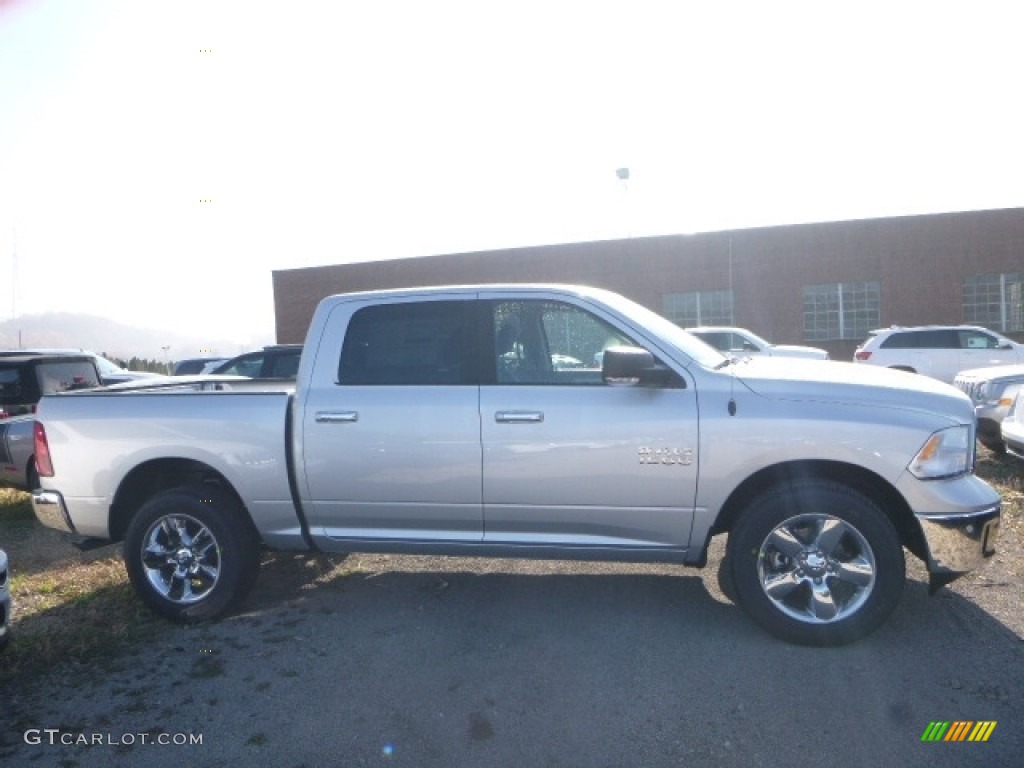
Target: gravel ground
x=423 y=661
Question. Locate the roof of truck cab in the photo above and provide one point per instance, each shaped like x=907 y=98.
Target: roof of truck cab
x=580 y=290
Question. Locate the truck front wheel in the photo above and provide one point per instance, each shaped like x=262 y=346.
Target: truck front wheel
x=191 y=552
x=816 y=563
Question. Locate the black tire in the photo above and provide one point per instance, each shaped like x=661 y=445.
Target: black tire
x=32 y=475
x=996 y=446
x=191 y=553
x=830 y=557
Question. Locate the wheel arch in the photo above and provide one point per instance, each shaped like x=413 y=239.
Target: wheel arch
x=152 y=477
x=864 y=481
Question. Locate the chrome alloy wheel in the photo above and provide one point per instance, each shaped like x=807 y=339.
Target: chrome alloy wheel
x=816 y=568
x=181 y=558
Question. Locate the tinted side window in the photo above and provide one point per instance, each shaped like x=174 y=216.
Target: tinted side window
x=284 y=366
x=408 y=344
x=10 y=385
x=718 y=339
x=250 y=365
x=932 y=339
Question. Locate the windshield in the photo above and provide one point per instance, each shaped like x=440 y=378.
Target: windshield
x=105 y=366
x=760 y=342
x=688 y=344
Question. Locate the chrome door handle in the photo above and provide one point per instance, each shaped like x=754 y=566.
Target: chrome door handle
x=336 y=417
x=519 y=417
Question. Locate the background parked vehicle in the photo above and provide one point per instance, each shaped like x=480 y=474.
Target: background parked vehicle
x=26 y=377
x=17 y=453
x=939 y=351
x=1012 y=427
x=109 y=371
x=741 y=342
x=5 y=601
x=279 y=361
x=197 y=365
x=991 y=390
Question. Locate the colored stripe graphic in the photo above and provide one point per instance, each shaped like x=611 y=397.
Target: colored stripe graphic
x=959 y=730
x=982 y=730
x=935 y=731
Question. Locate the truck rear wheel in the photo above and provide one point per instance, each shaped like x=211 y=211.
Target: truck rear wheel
x=191 y=552
x=816 y=563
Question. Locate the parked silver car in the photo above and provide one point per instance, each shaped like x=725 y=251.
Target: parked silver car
x=5 y=601
x=17 y=460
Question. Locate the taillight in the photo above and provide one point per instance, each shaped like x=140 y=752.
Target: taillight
x=862 y=354
x=44 y=464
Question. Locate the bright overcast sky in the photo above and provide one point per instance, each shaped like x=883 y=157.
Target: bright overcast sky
x=335 y=131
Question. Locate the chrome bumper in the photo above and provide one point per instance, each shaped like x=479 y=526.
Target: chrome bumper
x=959 y=543
x=51 y=511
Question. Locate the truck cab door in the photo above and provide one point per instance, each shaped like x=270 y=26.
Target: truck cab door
x=570 y=460
x=390 y=433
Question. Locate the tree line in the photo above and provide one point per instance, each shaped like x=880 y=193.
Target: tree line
x=141 y=364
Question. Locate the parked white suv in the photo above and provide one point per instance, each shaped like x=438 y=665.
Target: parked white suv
x=938 y=351
x=739 y=342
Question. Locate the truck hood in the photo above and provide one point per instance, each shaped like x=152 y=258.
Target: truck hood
x=795 y=350
x=842 y=382
x=992 y=373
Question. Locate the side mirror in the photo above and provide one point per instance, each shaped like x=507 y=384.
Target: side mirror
x=631 y=366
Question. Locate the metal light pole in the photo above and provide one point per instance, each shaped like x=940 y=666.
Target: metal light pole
x=623 y=176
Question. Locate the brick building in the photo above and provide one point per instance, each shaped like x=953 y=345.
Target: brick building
x=822 y=284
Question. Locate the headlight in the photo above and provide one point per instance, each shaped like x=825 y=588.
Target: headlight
x=947 y=453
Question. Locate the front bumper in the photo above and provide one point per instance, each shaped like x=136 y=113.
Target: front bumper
x=51 y=511
x=958 y=543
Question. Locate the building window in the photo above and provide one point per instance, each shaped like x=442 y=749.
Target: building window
x=699 y=308
x=995 y=301
x=841 y=310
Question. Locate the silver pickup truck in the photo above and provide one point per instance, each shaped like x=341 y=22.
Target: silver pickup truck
x=532 y=421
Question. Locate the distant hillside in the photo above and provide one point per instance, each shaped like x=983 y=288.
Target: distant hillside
x=98 y=334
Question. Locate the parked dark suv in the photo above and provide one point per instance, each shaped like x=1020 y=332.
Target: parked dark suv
x=280 y=361
x=25 y=378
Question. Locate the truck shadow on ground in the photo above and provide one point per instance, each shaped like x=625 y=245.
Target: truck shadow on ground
x=469 y=661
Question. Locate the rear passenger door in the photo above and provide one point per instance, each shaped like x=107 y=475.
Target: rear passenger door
x=391 y=424
x=569 y=460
